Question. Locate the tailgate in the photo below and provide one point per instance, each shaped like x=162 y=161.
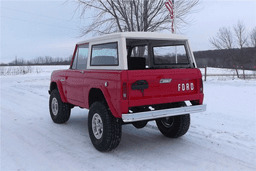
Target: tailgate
x=157 y=86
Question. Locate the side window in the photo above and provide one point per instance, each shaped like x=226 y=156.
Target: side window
x=75 y=60
x=104 y=54
x=80 y=61
x=82 y=56
x=138 y=58
x=140 y=51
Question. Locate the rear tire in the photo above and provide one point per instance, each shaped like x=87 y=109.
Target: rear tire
x=174 y=127
x=104 y=129
x=60 y=112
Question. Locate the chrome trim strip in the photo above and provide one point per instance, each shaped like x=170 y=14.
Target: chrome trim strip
x=168 y=80
x=163 y=113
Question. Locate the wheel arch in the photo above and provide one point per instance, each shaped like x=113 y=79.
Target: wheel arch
x=97 y=94
x=53 y=86
x=56 y=85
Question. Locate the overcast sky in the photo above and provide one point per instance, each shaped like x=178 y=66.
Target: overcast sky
x=30 y=29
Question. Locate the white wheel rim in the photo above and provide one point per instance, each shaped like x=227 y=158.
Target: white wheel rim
x=55 y=106
x=97 y=126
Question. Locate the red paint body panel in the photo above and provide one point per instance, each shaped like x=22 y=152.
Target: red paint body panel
x=77 y=84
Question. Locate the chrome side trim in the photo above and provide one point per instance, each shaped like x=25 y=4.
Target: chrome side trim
x=162 y=113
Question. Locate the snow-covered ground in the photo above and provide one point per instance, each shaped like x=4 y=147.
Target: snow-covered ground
x=222 y=138
x=211 y=70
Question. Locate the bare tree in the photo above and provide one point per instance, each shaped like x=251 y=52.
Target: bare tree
x=223 y=39
x=240 y=34
x=253 y=37
x=21 y=62
x=133 y=15
x=48 y=60
x=241 y=37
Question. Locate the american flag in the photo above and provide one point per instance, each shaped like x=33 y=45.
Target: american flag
x=169 y=6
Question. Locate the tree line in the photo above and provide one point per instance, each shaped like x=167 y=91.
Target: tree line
x=46 y=60
x=227 y=58
x=224 y=58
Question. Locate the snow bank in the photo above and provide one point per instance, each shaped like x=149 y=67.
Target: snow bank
x=21 y=70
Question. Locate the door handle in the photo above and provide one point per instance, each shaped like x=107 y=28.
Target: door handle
x=62 y=79
x=82 y=72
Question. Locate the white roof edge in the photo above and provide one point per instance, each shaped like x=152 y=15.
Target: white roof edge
x=137 y=35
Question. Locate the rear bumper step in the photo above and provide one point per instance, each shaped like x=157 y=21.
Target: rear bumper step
x=162 y=113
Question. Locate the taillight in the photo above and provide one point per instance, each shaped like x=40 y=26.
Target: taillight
x=201 y=85
x=124 y=93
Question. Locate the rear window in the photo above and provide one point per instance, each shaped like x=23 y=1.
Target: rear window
x=104 y=55
x=169 y=55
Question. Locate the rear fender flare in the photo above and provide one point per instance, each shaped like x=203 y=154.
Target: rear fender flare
x=108 y=100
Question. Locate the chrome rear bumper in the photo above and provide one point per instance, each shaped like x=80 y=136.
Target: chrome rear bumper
x=154 y=114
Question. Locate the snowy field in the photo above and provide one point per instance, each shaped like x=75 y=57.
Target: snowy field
x=222 y=138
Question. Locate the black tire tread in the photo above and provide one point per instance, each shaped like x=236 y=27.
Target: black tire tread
x=183 y=126
x=64 y=108
x=180 y=127
x=112 y=128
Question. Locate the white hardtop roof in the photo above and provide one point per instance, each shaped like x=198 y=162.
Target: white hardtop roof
x=137 y=35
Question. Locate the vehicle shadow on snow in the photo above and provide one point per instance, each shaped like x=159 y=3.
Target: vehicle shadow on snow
x=78 y=122
x=148 y=140
x=136 y=141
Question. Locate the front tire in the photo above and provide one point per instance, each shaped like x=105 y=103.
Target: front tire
x=60 y=112
x=104 y=129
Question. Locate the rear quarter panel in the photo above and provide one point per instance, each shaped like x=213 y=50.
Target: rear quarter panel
x=109 y=82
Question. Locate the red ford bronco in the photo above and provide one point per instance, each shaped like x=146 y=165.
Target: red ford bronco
x=129 y=78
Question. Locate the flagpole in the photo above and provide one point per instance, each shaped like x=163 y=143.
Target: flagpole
x=174 y=16
x=171 y=8
x=175 y=27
